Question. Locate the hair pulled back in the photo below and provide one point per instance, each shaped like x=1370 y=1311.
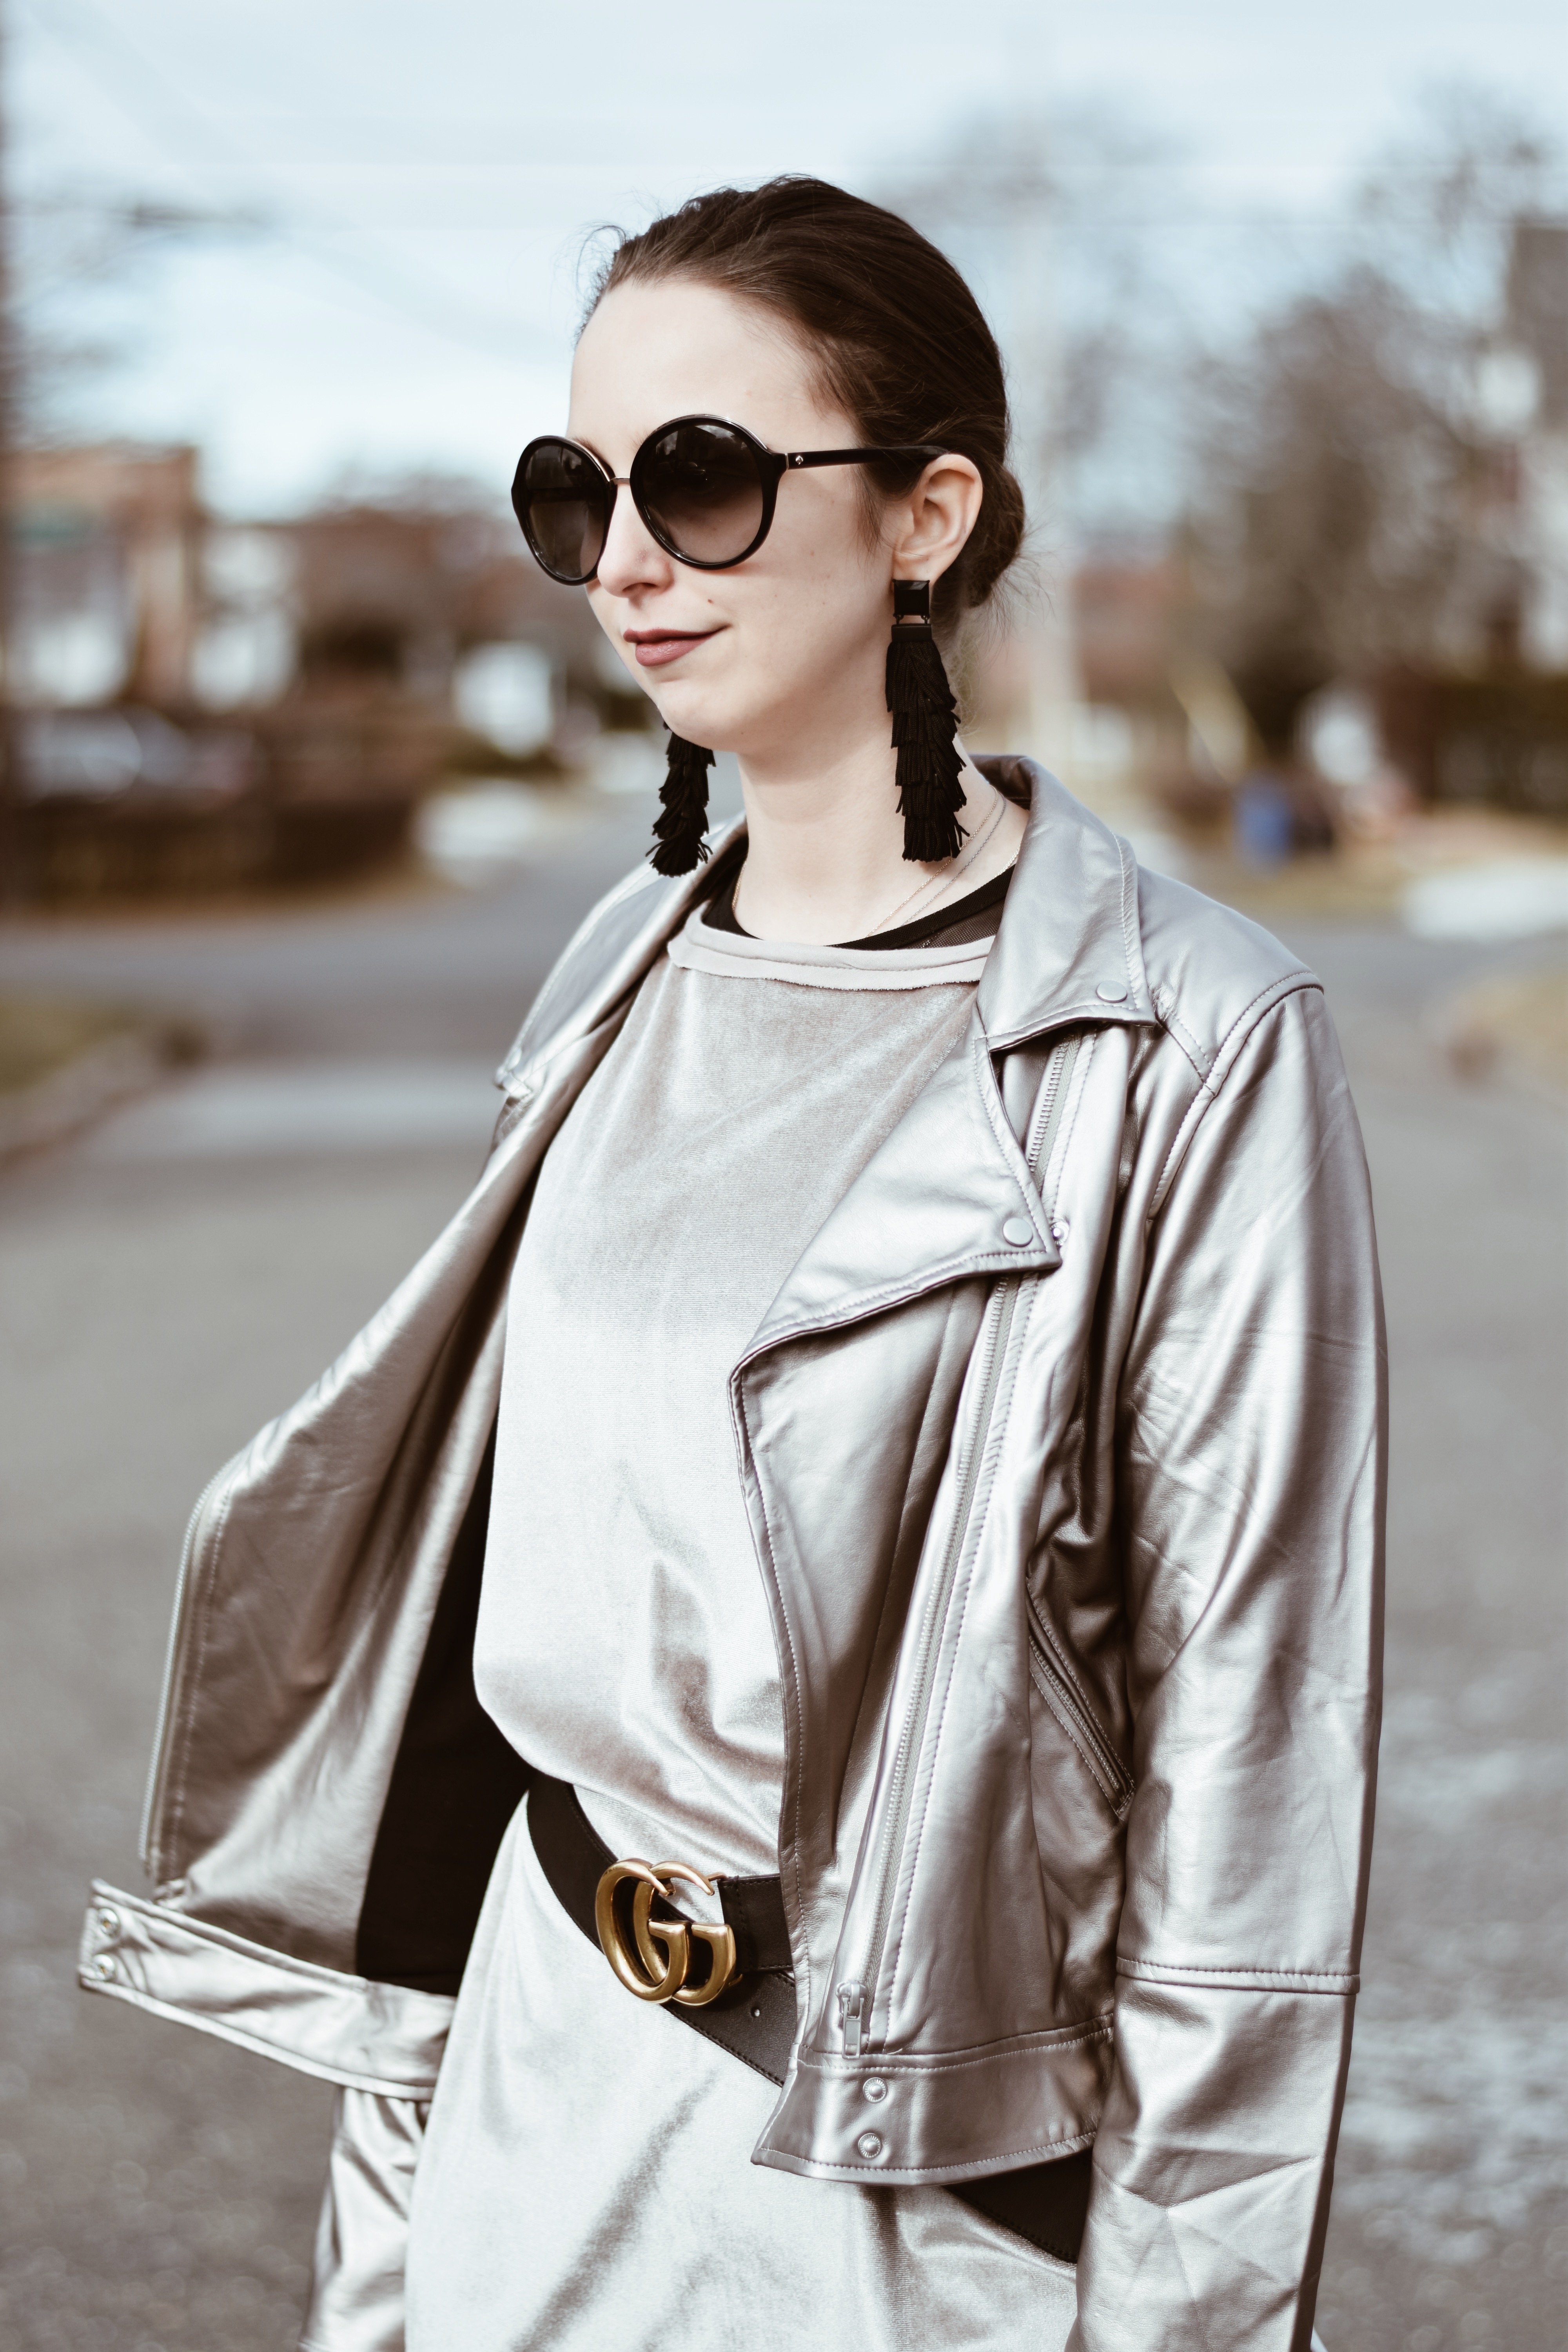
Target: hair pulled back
x=897 y=336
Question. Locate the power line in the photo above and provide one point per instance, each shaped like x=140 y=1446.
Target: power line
x=174 y=117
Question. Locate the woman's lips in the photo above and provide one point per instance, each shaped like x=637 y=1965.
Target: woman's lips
x=660 y=646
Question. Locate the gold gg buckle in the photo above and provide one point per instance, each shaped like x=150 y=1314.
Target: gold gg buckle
x=643 y=1969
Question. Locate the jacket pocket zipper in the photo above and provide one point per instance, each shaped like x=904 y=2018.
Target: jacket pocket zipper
x=856 y=1997
x=851 y=2014
x=1060 y=1693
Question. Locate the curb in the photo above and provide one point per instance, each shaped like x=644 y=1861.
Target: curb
x=57 y=1107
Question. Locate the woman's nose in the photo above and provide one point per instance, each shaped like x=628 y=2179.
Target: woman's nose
x=633 y=558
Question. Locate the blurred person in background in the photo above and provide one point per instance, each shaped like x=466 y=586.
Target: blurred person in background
x=864 y=1534
x=1280 y=812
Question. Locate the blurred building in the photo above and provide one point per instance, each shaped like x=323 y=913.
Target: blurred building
x=1492 y=724
x=203 y=703
x=106 y=575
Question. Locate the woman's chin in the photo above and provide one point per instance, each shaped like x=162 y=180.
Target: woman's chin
x=695 y=717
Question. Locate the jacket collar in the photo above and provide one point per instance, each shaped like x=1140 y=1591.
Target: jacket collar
x=1067 y=948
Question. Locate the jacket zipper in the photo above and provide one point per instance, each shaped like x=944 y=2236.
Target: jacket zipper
x=851 y=2013
x=1107 y=1767
x=171 y=1667
x=856 y=1996
x=1061 y=1696
x=852 y=1995
x=1049 y=1112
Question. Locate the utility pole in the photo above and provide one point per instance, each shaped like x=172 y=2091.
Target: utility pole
x=1039 y=392
x=11 y=876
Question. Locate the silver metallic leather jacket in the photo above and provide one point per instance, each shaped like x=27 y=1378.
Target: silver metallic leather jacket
x=1062 y=1448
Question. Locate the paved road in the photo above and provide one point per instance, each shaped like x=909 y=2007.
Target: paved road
x=167 y=1284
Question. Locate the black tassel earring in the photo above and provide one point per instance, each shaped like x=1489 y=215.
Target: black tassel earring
x=678 y=846
x=925 y=719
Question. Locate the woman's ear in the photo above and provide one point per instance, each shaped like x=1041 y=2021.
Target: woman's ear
x=942 y=507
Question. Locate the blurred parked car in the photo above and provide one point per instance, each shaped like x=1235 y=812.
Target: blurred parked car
x=102 y=755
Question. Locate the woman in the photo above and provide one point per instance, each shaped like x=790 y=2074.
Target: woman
x=912 y=1374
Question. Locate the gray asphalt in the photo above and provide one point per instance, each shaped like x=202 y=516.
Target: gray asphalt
x=168 y=1283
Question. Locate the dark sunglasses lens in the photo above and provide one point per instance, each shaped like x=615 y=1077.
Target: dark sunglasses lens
x=699 y=488
x=563 y=502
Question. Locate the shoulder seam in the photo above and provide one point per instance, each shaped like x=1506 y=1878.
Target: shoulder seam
x=1208 y=1090
x=1178 y=1032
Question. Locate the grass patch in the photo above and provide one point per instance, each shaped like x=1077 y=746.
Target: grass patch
x=1519 y=1019
x=40 y=1035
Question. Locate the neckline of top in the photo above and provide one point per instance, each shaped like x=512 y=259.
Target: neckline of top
x=944 y=925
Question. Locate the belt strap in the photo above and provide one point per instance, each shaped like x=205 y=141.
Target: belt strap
x=755 y=2020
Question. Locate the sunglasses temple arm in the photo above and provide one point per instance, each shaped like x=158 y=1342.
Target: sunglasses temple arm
x=799 y=460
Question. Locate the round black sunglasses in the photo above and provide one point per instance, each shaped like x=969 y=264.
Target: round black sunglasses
x=706 y=488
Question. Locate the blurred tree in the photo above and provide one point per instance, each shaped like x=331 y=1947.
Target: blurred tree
x=1437 y=209
x=1352 y=454
x=1331 y=532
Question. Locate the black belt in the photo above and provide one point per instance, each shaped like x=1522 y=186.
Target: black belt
x=754 y=2021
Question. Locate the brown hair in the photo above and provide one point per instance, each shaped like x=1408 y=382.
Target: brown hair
x=899 y=338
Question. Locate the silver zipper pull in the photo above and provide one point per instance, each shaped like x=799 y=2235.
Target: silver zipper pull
x=851 y=2000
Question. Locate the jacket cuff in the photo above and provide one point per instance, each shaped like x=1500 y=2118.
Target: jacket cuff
x=380 y=2038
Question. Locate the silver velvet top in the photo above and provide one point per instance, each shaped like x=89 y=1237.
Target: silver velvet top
x=624 y=1640
x=588 y=2178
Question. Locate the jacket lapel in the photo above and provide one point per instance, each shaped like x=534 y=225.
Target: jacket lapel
x=934 y=1203
x=930 y=1207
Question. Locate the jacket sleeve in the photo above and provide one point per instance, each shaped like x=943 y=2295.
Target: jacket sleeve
x=361 y=2236
x=1250 y=1445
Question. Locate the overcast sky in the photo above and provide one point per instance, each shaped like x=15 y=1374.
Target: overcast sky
x=427 y=171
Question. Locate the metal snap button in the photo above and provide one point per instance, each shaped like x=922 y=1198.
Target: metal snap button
x=1110 y=995
x=1060 y=1231
x=874 y=2089
x=869 y=2144
x=103 y=1967
x=108 y=1921
x=1019 y=1231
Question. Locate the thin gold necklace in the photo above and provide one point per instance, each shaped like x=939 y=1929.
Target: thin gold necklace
x=934 y=889
x=922 y=890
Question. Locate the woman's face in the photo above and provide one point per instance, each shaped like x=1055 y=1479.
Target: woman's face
x=795 y=637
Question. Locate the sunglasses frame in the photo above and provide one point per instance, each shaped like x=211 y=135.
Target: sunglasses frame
x=771 y=465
